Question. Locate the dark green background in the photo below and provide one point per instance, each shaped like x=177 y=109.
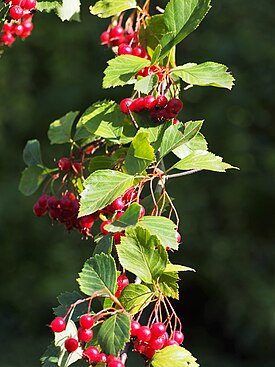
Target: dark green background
x=228 y=306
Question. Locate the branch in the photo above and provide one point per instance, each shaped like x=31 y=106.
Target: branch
x=186 y=173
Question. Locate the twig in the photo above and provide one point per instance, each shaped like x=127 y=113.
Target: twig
x=160 y=9
x=132 y=117
x=186 y=173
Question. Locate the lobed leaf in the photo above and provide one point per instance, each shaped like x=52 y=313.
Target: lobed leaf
x=114 y=333
x=135 y=297
x=206 y=74
x=98 y=274
x=168 y=284
x=174 y=356
x=108 y=8
x=101 y=188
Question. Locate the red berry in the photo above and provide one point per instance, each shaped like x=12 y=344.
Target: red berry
x=124 y=49
x=7 y=39
x=129 y=195
x=58 y=325
x=18 y=2
x=53 y=202
x=102 y=226
x=85 y=335
x=139 y=51
x=142 y=212
x=87 y=222
x=116 y=32
x=158 y=329
x=29 y=4
x=122 y=282
x=112 y=358
x=43 y=200
x=161 y=101
x=118 y=203
x=124 y=103
x=178 y=337
x=18 y=29
x=144 y=334
x=64 y=164
x=175 y=122
x=92 y=354
x=65 y=203
x=150 y=102
x=105 y=38
x=71 y=345
x=16 y=12
x=168 y=343
x=102 y=358
x=116 y=364
x=138 y=105
x=149 y=352
x=174 y=106
x=86 y=321
x=135 y=326
x=157 y=343
x=38 y=210
x=28 y=26
x=7 y=27
x=178 y=237
x=117 y=237
x=77 y=167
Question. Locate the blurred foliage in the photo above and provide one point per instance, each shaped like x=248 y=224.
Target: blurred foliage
x=228 y=306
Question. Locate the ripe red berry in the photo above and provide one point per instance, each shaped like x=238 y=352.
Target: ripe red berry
x=92 y=354
x=144 y=334
x=118 y=203
x=16 y=12
x=53 y=202
x=139 y=51
x=105 y=38
x=58 y=325
x=116 y=32
x=158 y=329
x=65 y=203
x=138 y=105
x=142 y=212
x=7 y=27
x=124 y=103
x=29 y=4
x=174 y=106
x=116 y=364
x=178 y=337
x=175 y=121
x=168 y=343
x=135 y=326
x=157 y=343
x=102 y=226
x=161 y=101
x=102 y=358
x=178 y=237
x=18 y=29
x=124 y=49
x=17 y=2
x=85 y=335
x=38 y=210
x=71 y=345
x=64 y=164
x=122 y=282
x=7 y=39
x=150 y=102
x=86 y=321
x=149 y=352
x=87 y=222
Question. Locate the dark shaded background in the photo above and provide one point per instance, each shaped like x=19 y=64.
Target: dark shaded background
x=228 y=306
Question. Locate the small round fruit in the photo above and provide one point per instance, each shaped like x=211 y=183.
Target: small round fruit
x=118 y=203
x=102 y=226
x=102 y=358
x=64 y=164
x=91 y=353
x=149 y=352
x=16 y=12
x=18 y=29
x=116 y=364
x=174 y=106
x=71 y=345
x=168 y=343
x=178 y=337
x=139 y=51
x=138 y=105
x=7 y=39
x=86 y=321
x=124 y=49
x=53 y=202
x=158 y=329
x=29 y=4
x=116 y=32
x=87 y=222
x=7 y=27
x=178 y=237
x=135 y=326
x=144 y=334
x=161 y=101
x=122 y=282
x=105 y=38
x=58 y=325
x=150 y=102
x=156 y=343
x=124 y=103
x=38 y=210
x=85 y=335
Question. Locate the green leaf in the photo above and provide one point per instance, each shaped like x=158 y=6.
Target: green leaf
x=168 y=284
x=140 y=154
x=128 y=219
x=101 y=162
x=181 y=18
x=121 y=69
x=104 y=245
x=50 y=357
x=141 y=253
x=174 y=356
x=173 y=137
x=69 y=10
x=163 y=228
x=101 y=189
x=206 y=74
x=174 y=267
x=32 y=153
x=32 y=177
x=135 y=297
x=114 y=333
x=98 y=274
x=48 y=6
x=151 y=34
x=146 y=84
x=108 y=8
x=103 y=118
x=66 y=299
x=60 y=130
x=196 y=143
x=201 y=159
x=156 y=55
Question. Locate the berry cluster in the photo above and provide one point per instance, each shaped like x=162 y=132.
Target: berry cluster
x=67 y=164
x=65 y=211
x=117 y=36
x=19 y=23
x=85 y=334
x=160 y=108
x=148 y=340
